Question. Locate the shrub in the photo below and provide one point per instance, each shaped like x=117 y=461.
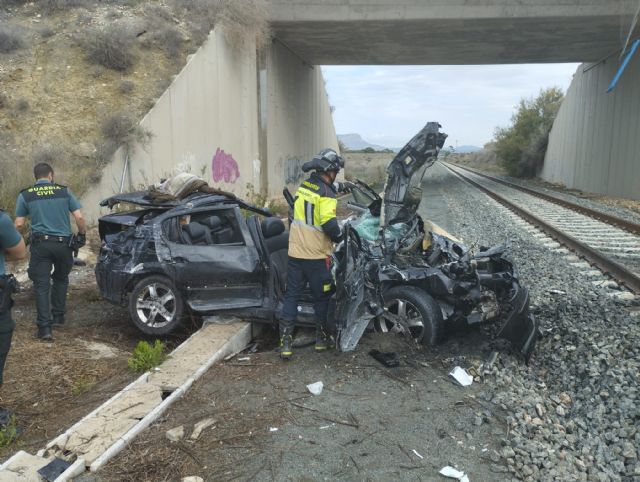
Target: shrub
x=243 y=19
x=48 y=154
x=22 y=105
x=116 y=127
x=145 y=356
x=46 y=32
x=120 y=130
x=522 y=146
x=81 y=385
x=10 y=39
x=110 y=47
x=169 y=40
x=126 y=87
x=8 y=433
x=51 y=6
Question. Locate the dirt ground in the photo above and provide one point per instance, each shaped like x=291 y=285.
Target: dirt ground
x=369 y=423
x=50 y=386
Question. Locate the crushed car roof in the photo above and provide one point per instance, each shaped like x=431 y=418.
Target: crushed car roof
x=142 y=198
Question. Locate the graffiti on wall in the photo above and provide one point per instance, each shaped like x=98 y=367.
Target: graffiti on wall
x=224 y=167
x=293 y=171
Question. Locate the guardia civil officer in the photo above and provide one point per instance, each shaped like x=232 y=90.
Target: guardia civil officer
x=313 y=230
x=49 y=204
x=11 y=247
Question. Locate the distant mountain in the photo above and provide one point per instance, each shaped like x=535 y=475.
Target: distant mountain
x=355 y=142
x=467 y=149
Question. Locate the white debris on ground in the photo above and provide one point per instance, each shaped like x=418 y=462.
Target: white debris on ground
x=315 y=388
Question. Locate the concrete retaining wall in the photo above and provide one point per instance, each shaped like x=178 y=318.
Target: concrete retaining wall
x=209 y=122
x=206 y=122
x=299 y=121
x=595 y=140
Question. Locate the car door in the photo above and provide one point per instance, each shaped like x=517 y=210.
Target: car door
x=220 y=269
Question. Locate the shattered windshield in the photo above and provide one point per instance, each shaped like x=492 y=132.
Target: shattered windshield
x=368 y=227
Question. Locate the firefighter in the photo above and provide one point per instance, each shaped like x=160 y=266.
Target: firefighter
x=313 y=231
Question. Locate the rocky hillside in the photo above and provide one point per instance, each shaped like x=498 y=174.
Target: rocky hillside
x=77 y=75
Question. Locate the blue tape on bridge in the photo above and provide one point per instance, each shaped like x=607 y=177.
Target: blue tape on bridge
x=632 y=50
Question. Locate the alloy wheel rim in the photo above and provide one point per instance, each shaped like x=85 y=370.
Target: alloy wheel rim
x=156 y=305
x=405 y=310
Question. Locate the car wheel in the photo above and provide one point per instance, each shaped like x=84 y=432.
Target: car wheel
x=418 y=310
x=155 y=306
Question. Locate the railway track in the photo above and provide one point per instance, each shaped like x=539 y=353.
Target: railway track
x=609 y=243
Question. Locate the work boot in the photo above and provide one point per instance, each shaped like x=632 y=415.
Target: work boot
x=286 y=344
x=58 y=321
x=323 y=339
x=44 y=333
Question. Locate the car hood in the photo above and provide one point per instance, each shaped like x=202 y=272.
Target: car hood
x=402 y=191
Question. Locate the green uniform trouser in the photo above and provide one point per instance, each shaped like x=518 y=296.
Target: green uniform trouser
x=44 y=256
x=6 y=332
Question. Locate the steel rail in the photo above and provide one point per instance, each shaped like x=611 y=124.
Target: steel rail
x=606 y=265
x=592 y=213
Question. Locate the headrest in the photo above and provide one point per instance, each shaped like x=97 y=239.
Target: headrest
x=272 y=227
x=195 y=230
x=212 y=222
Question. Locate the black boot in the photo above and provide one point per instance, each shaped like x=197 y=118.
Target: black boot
x=44 y=333
x=286 y=343
x=58 y=321
x=323 y=339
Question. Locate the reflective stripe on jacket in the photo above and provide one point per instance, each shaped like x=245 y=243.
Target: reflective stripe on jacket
x=314 y=225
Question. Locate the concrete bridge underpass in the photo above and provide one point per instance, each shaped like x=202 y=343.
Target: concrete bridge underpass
x=246 y=120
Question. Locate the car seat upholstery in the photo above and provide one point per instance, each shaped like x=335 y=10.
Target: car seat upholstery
x=196 y=234
x=271 y=227
x=277 y=241
x=220 y=233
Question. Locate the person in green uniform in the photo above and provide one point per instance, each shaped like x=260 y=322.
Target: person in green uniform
x=11 y=247
x=48 y=205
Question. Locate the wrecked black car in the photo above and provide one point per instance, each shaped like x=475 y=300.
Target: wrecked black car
x=214 y=254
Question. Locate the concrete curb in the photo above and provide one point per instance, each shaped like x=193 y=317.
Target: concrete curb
x=234 y=345
x=86 y=439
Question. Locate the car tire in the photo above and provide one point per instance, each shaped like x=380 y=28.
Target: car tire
x=422 y=309
x=155 y=306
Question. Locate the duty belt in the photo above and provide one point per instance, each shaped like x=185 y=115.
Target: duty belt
x=37 y=237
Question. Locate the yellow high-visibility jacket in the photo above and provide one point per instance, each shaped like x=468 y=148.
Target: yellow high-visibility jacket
x=314 y=225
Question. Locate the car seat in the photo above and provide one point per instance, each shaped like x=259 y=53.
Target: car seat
x=196 y=234
x=276 y=240
x=220 y=234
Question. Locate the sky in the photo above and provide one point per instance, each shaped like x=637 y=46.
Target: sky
x=387 y=105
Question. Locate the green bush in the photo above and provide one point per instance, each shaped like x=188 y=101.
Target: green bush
x=521 y=147
x=9 y=433
x=146 y=356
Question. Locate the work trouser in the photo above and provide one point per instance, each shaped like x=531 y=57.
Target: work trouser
x=317 y=273
x=45 y=255
x=6 y=328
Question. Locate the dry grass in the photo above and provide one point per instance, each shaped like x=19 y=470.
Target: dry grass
x=243 y=20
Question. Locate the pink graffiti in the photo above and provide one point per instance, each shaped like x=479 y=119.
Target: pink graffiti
x=224 y=167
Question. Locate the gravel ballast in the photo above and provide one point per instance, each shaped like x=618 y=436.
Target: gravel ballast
x=574 y=411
